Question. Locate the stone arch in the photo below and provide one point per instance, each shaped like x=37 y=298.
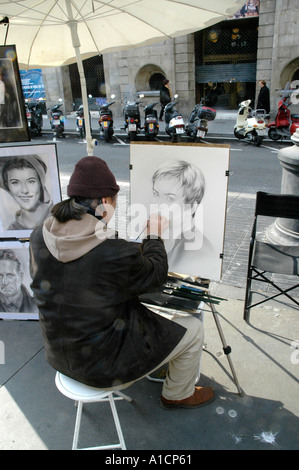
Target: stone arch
x=295 y=75
x=149 y=78
x=289 y=73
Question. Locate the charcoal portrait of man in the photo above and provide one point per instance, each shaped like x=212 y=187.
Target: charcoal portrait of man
x=14 y=295
x=188 y=185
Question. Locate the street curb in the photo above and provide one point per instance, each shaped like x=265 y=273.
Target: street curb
x=211 y=136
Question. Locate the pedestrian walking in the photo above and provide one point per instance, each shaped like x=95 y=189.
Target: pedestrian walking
x=263 y=101
x=165 y=97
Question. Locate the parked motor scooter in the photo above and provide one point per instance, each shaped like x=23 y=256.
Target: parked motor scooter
x=285 y=123
x=197 y=126
x=132 y=120
x=106 y=120
x=251 y=125
x=57 y=120
x=151 y=122
x=174 y=122
x=34 y=117
x=81 y=121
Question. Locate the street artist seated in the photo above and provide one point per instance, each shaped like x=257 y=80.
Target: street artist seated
x=86 y=283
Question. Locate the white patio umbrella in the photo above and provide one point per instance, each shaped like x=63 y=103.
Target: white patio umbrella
x=59 y=32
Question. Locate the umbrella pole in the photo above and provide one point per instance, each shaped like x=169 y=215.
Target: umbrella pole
x=76 y=44
x=89 y=141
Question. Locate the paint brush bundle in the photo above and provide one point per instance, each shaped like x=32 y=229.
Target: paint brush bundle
x=181 y=293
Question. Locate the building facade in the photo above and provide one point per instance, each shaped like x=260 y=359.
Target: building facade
x=222 y=64
x=278 y=52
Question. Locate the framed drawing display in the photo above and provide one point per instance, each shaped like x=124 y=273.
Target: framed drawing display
x=16 y=298
x=188 y=184
x=13 y=121
x=29 y=187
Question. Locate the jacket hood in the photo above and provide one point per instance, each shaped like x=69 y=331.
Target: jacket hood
x=73 y=239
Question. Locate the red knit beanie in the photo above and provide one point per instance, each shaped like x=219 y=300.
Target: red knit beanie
x=92 y=178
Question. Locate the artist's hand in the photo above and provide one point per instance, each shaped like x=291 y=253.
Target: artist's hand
x=156 y=225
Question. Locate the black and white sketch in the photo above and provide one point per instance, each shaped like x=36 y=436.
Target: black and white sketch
x=188 y=184
x=29 y=186
x=13 y=122
x=16 y=298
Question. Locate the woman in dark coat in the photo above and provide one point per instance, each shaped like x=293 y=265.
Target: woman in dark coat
x=263 y=101
x=86 y=283
x=165 y=96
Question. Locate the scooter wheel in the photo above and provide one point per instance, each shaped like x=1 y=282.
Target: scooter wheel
x=106 y=136
x=175 y=138
x=132 y=136
x=237 y=135
x=272 y=134
x=257 y=140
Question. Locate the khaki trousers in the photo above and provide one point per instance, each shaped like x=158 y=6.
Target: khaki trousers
x=184 y=361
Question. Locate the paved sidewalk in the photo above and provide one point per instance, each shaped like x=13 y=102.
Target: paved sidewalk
x=35 y=416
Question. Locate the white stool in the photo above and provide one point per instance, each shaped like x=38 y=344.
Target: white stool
x=82 y=393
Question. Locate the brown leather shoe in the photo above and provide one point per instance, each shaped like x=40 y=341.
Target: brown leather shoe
x=202 y=396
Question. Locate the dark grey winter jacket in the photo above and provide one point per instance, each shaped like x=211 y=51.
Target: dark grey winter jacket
x=86 y=283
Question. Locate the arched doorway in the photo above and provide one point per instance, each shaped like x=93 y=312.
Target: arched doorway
x=149 y=78
x=290 y=73
x=155 y=81
x=296 y=75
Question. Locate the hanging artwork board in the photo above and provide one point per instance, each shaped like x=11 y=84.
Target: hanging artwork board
x=29 y=187
x=188 y=184
x=13 y=120
x=16 y=297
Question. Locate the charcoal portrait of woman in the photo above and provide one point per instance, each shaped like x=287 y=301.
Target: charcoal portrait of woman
x=24 y=179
